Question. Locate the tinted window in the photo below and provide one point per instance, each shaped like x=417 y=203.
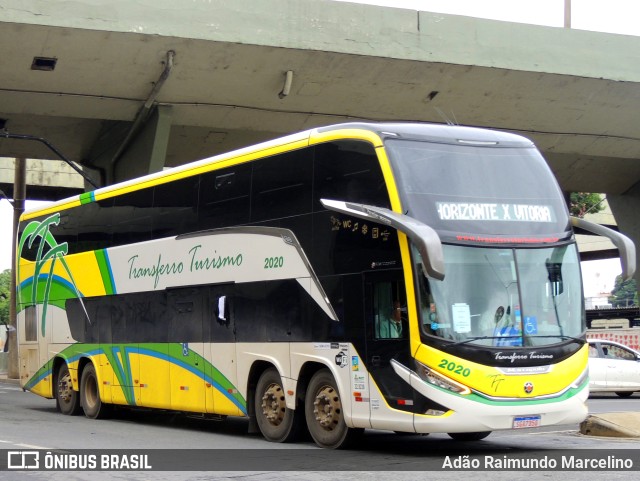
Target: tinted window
x=281 y=186
x=93 y=222
x=224 y=197
x=187 y=309
x=132 y=217
x=66 y=230
x=175 y=208
x=349 y=171
x=62 y=232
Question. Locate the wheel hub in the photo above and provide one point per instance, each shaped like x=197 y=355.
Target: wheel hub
x=273 y=404
x=327 y=408
x=65 y=388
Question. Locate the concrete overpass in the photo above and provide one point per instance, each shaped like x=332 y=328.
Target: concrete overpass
x=47 y=179
x=96 y=79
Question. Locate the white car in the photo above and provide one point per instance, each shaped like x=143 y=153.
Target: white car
x=613 y=367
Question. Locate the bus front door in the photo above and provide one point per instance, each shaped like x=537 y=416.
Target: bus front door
x=387 y=334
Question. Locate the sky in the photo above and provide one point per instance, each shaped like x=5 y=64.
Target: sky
x=611 y=16
x=6 y=223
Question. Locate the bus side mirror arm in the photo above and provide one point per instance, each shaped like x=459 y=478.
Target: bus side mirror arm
x=625 y=246
x=423 y=237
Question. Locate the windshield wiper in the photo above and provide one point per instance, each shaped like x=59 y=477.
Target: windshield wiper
x=482 y=338
x=561 y=336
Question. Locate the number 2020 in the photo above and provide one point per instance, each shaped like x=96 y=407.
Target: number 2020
x=455 y=368
x=273 y=262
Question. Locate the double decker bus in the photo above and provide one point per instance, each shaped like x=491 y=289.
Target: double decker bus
x=395 y=276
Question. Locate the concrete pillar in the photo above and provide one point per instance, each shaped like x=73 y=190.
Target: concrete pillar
x=625 y=208
x=161 y=138
x=19 y=196
x=147 y=151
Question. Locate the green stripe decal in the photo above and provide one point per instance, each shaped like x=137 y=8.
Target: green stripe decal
x=105 y=271
x=118 y=355
x=87 y=198
x=521 y=401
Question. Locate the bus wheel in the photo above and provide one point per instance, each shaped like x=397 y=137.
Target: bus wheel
x=277 y=423
x=92 y=405
x=323 y=412
x=67 y=400
x=469 y=436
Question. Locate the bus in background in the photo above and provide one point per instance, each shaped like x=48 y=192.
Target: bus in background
x=395 y=276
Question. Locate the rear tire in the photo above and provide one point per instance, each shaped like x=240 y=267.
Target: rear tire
x=323 y=412
x=624 y=393
x=67 y=400
x=92 y=405
x=469 y=436
x=276 y=421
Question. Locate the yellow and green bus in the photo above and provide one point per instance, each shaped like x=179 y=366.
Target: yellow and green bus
x=396 y=276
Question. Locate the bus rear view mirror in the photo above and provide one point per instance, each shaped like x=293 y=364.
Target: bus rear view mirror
x=625 y=246
x=423 y=237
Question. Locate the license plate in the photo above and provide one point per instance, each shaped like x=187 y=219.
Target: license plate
x=522 y=422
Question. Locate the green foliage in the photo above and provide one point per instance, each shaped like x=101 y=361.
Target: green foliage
x=5 y=296
x=581 y=203
x=624 y=293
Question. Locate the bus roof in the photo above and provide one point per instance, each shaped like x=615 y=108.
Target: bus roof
x=438 y=133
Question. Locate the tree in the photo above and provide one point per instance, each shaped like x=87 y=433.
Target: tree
x=581 y=203
x=624 y=293
x=5 y=296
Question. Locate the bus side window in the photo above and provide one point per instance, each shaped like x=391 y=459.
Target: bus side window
x=389 y=311
x=224 y=197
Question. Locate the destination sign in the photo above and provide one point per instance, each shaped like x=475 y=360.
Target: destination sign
x=495 y=212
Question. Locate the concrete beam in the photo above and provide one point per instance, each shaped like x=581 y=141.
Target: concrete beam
x=46 y=179
x=370 y=31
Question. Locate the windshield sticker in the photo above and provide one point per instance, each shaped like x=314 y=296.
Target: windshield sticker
x=530 y=325
x=495 y=212
x=461 y=318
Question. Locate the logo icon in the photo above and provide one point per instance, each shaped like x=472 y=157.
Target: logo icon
x=37 y=236
x=23 y=460
x=342 y=359
x=528 y=387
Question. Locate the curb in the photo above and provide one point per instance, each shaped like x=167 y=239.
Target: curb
x=613 y=425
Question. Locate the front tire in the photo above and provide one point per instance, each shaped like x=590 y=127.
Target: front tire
x=92 y=405
x=324 y=415
x=276 y=421
x=469 y=436
x=67 y=400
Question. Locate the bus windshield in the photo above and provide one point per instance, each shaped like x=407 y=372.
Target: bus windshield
x=504 y=296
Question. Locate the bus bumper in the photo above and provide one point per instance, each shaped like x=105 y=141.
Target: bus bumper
x=473 y=413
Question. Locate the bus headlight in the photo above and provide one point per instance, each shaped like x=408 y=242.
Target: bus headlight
x=437 y=379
